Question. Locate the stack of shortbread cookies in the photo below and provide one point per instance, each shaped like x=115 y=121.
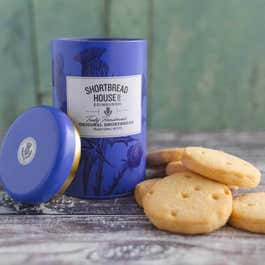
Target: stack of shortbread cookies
x=195 y=196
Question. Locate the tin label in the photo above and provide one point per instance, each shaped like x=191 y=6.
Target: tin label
x=105 y=106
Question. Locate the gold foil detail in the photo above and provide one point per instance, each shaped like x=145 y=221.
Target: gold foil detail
x=75 y=164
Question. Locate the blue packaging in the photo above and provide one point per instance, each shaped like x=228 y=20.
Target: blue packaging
x=101 y=84
x=39 y=155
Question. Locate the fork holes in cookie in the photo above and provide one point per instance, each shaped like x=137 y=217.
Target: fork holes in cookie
x=174 y=213
x=251 y=204
x=150 y=192
x=228 y=163
x=215 y=197
x=197 y=188
x=185 y=195
x=226 y=192
x=187 y=176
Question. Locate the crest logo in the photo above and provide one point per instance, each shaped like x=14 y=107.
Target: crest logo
x=26 y=151
x=108 y=111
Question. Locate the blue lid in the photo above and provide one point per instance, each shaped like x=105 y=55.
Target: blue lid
x=39 y=155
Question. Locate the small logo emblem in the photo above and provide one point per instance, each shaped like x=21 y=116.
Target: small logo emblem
x=26 y=151
x=108 y=111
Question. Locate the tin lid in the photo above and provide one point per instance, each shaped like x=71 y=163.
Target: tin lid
x=39 y=155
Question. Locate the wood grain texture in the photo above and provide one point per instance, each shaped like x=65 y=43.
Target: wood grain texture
x=16 y=75
x=207 y=63
x=73 y=231
x=206 y=59
x=119 y=240
x=63 y=18
x=128 y=19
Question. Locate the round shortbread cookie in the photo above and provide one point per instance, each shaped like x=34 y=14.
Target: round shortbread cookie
x=175 y=167
x=249 y=212
x=142 y=188
x=163 y=156
x=187 y=203
x=221 y=167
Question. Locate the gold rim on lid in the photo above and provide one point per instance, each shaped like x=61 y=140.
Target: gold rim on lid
x=74 y=167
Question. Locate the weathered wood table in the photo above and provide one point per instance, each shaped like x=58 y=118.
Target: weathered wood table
x=73 y=231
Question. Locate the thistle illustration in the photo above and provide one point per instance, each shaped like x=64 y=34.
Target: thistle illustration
x=94 y=150
x=91 y=63
x=134 y=157
x=92 y=153
x=59 y=81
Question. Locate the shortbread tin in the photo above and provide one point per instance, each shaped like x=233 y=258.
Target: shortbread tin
x=101 y=84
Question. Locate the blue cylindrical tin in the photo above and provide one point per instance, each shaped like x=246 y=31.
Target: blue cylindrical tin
x=101 y=84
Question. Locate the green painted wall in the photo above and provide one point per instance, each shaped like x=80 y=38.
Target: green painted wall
x=206 y=57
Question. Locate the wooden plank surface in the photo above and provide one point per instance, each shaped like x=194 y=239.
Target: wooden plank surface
x=119 y=240
x=208 y=60
x=128 y=19
x=16 y=75
x=73 y=231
